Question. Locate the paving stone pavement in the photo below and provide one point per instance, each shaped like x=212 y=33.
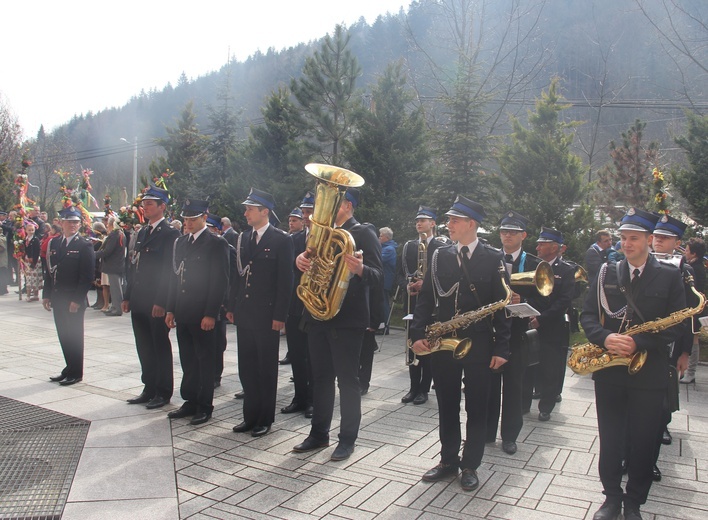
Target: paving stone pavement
x=135 y=464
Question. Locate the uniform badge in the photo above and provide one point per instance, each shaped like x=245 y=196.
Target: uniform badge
x=631 y=212
x=664 y=219
x=511 y=214
x=187 y=202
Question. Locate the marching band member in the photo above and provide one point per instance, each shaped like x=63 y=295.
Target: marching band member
x=463 y=277
x=638 y=289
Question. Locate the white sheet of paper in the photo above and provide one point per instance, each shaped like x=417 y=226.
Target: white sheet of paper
x=522 y=310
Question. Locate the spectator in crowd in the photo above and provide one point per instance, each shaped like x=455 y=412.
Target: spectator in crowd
x=100 y=281
x=694 y=253
x=32 y=267
x=388 y=254
x=177 y=224
x=3 y=265
x=596 y=255
x=112 y=257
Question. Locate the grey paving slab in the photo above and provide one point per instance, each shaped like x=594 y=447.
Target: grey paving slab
x=138 y=464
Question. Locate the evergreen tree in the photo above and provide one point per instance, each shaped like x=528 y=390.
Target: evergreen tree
x=325 y=93
x=543 y=177
x=388 y=144
x=186 y=154
x=692 y=181
x=627 y=182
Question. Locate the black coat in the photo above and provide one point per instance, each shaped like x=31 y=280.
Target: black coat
x=32 y=250
x=519 y=326
x=69 y=273
x=150 y=270
x=484 y=271
x=262 y=294
x=112 y=253
x=553 y=327
x=231 y=236
x=660 y=292
x=355 y=310
x=197 y=291
x=299 y=240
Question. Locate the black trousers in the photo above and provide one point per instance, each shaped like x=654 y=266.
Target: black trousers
x=334 y=354
x=258 y=368
x=421 y=374
x=299 y=361
x=510 y=406
x=547 y=377
x=640 y=411
x=152 y=341
x=447 y=375
x=220 y=328
x=196 y=355
x=366 y=358
x=70 y=330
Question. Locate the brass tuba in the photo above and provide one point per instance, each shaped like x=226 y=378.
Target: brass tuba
x=541 y=278
x=323 y=287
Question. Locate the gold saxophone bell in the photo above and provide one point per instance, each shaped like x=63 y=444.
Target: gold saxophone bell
x=541 y=278
x=460 y=347
x=322 y=289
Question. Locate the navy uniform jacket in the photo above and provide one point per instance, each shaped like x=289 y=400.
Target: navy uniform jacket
x=553 y=328
x=150 y=273
x=408 y=263
x=519 y=326
x=72 y=271
x=299 y=240
x=355 y=311
x=262 y=293
x=483 y=269
x=198 y=291
x=660 y=292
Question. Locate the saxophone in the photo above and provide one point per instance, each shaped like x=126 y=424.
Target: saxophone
x=460 y=347
x=587 y=357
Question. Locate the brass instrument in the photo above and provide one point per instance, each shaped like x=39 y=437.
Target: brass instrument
x=581 y=275
x=670 y=258
x=460 y=347
x=422 y=267
x=587 y=357
x=541 y=278
x=323 y=287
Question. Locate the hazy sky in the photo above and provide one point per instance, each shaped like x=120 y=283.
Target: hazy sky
x=64 y=58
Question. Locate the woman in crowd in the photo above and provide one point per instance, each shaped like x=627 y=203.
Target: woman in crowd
x=101 y=282
x=112 y=256
x=32 y=265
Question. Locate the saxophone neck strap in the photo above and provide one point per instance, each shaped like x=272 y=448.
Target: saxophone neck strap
x=628 y=295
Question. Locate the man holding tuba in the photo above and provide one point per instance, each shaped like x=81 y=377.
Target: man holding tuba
x=639 y=289
x=415 y=260
x=464 y=277
x=335 y=343
x=512 y=231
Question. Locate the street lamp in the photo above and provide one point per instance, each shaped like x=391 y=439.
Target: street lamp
x=135 y=166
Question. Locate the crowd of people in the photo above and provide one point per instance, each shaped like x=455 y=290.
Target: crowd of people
x=515 y=308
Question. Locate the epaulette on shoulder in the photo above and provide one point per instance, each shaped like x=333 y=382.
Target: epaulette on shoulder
x=491 y=247
x=443 y=239
x=281 y=231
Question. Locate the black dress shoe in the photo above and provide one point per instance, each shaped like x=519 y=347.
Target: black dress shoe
x=309 y=444
x=309 y=412
x=469 y=480
x=559 y=398
x=239 y=395
x=342 y=452
x=632 y=513
x=608 y=511
x=421 y=398
x=200 y=418
x=217 y=383
x=656 y=473
x=440 y=472
x=156 y=402
x=544 y=416
x=408 y=398
x=58 y=378
x=243 y=427
x=666 y=437
x=293 y=408
x=70 y=381
x=260 y=431
x=525 y=411
x=113 y=313
x=141 y=399
x=180 y=412
x=509 y=447
x=536 y=395
x=285 y=360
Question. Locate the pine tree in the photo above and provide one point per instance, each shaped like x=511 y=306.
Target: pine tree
x=627 y=181
x=692 y=181
x=325 y=93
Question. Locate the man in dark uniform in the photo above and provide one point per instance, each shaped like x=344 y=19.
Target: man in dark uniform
x=639 y=289
x=296 y=337
x=410 y=279
x=259 y=306
x=228 y=232
x=335 y=344
x=197 y=287
x=553 y=326
x=512 y=231
x=461 y=278
x=67 y=280
x=146 y=298
x=214 y=225
x=296 y=225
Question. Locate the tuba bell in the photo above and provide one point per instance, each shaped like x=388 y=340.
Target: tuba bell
x=541 y=278
x=323 y=287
